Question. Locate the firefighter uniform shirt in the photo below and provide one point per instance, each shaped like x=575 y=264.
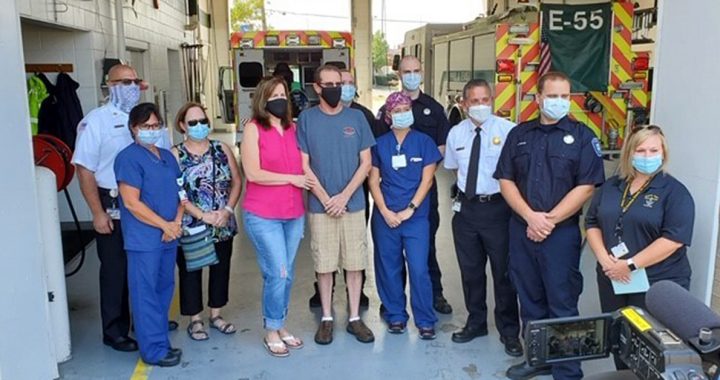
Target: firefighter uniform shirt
x=101 y=135
x=664 y=209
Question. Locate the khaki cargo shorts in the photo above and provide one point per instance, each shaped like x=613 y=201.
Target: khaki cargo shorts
x=338 y=242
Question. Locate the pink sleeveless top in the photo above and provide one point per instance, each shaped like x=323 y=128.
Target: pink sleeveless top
x=278 y=154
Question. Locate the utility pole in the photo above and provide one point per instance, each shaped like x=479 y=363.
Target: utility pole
x=264 y=15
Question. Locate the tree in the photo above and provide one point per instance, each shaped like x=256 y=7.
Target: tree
x=380 y=49
x=247 y=12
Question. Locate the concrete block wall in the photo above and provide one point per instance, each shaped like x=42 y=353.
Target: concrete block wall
x=85 y=33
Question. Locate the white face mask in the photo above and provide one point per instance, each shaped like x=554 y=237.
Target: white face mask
x=480 y=112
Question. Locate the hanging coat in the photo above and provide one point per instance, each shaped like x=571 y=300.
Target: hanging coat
x=36 y=94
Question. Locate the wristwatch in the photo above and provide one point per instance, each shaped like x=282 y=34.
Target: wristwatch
x=631 y=265
x=411 y=206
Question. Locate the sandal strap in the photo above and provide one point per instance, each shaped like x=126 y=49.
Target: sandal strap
x=225 y=327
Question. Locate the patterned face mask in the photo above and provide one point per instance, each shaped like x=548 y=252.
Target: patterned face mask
x=124 y=96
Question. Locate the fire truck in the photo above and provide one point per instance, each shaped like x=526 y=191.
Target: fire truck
x=505 y=50
x=256 y=54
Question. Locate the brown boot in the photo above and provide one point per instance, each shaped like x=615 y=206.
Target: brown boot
x=362 y=333
x=324 y=334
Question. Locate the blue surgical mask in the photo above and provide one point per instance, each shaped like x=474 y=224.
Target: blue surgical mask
x=348 y=93
x=402 y=120
x=124 y=97
x=198 y=132
x=149 y=136
x=411 y=81
x=647 y=165
x=480 y=112
x=555 y=108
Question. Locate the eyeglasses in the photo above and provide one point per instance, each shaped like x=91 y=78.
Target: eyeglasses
x=649 y=127
x=192 y=123
x=153 y=127
x=127 y=82
x=330 y=84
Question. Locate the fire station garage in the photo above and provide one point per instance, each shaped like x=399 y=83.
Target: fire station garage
x=57 y=69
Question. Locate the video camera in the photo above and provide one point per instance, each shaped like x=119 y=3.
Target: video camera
x=689 y=349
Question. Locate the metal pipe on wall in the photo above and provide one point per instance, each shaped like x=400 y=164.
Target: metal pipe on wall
x=120 y=26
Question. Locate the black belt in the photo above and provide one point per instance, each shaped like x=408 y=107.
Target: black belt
x=481 y=198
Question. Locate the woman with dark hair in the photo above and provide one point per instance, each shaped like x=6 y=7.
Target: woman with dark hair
x=151 y=212
x=273 y=210
x=211 y=180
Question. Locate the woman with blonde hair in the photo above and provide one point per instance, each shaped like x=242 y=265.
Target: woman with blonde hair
x=273 y=209
x=640 y=221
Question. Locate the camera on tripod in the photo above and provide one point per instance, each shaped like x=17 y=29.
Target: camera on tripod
x=689 y=350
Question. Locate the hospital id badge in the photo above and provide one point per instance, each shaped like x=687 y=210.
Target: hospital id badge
x=399 y=161
x=456 y=206
x=114 y=213
x=183 y=195
x=620 y=250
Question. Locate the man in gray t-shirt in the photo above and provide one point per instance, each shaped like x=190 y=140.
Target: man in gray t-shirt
x=335 y=143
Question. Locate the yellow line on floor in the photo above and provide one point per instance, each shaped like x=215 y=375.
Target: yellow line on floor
x=142 y=371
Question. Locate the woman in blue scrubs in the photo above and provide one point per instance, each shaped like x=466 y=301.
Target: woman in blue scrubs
x=151 y=216
x=640 y=221
x=404 y=164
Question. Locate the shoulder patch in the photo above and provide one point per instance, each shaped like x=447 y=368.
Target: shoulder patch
x=596 y=146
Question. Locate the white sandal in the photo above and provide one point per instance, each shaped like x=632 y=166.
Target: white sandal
x=292 y=342
x=270 y=346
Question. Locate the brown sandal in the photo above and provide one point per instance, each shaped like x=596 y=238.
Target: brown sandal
x=224 y=326
x=197 y=334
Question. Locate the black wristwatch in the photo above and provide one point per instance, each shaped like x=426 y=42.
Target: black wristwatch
x=411 y=206
x=631 y=265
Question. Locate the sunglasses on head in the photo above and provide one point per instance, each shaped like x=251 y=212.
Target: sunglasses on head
x=192 y=123
x=128 y=82
x=649 y=127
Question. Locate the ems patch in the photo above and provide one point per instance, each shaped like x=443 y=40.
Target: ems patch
x=596 y=146
x=349 y=131
x=650 y=200
x=82 y=127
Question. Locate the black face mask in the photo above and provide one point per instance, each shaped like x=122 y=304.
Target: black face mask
x=331 y=95
x=277 y=107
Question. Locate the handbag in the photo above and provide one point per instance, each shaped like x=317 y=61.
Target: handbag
x=198 y=243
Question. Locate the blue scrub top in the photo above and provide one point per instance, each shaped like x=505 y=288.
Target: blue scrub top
x=547 y=161
x=156 y=178
x=429 y=116
x=399 y=186
x=665 y=209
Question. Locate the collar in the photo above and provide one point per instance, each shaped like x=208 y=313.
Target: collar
x=423 y=99
x=566 y=124
x=115 y=111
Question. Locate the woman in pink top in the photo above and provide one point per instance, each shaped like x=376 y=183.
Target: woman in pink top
x=273 y=210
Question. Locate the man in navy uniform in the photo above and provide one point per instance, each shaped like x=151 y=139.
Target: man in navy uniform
x=547 y=170
x=430 y=118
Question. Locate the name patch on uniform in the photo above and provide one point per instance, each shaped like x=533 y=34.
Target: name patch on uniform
x=596 y=146
x=119 y=126
x=415 y=159
x=460 y=148
x=650 y=200
x=521 y=143
x=349 y=131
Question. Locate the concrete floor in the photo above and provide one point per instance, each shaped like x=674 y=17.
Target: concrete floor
x=242 y=356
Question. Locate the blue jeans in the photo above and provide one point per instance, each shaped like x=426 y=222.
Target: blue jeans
x=276 y=243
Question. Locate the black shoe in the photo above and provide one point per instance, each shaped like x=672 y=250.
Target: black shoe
x=523 y=372
x=364 y=300
x=513 y=347
x=176 y=351
x=467 y=334
x=124 y=344
x=427 y=333
x=170 y=360
x=441 y=305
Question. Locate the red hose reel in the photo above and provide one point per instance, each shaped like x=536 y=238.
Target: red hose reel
x=52 y=153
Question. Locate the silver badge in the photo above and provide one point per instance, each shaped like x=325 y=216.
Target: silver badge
x=113 y=193
x=180 y=181
x=426 y=111
x=568 y=139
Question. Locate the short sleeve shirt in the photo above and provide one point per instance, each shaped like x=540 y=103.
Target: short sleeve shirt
x=547 y=161
x=334 y=143
x=157 y=180
x=429 y=117
x=493 y=134
x=399 y=184
x=101 y=135
x=665 y=209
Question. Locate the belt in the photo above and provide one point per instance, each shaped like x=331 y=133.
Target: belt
x=481 y=198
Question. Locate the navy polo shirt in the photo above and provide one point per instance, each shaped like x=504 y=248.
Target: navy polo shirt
x=156 y=178
x=547 y=161
x=429 y=118
x=665 y=209
x=399 y=185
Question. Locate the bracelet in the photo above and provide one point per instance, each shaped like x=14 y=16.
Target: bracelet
x=229 y=209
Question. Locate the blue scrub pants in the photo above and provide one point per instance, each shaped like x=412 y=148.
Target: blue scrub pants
x=547 y=278
x=412 y=238
x=151 y=280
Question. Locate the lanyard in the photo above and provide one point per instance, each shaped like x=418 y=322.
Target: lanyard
x=625 y=204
